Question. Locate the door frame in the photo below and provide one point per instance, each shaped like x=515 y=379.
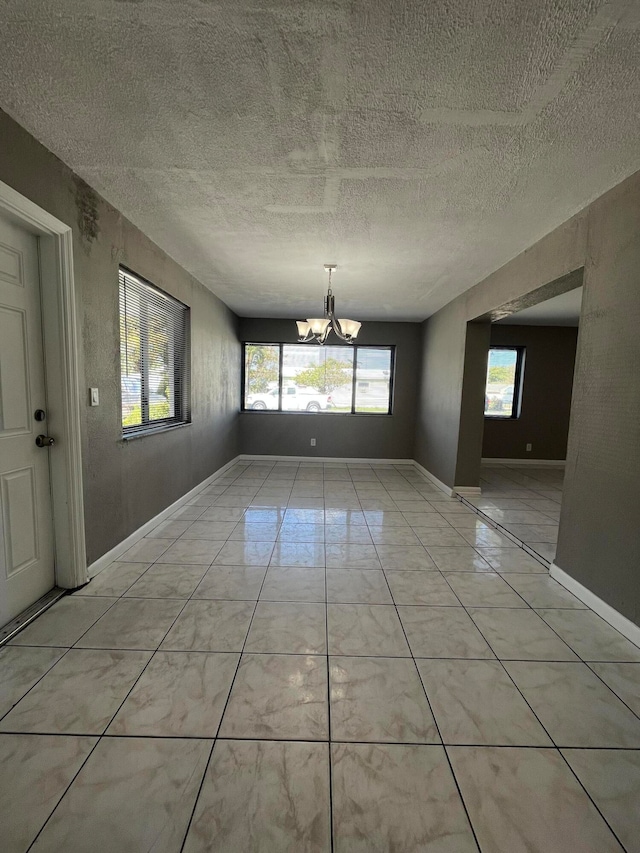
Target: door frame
x=61 y=343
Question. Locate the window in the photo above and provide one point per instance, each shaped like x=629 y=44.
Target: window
x=503 y=389
x=304 y=378
x=154 y=357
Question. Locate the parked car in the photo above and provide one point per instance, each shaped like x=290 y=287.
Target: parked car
x=293 y=399
x=506 y=396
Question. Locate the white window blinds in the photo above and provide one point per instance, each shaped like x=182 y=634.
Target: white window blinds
x=154 y=357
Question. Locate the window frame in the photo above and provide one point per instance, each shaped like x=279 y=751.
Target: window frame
x=182 y=364
x=518 y=382
x=352 y=348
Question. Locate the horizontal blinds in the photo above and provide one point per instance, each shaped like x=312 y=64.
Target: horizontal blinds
x=154 y=351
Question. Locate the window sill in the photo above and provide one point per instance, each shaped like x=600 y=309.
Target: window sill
x=329 y=414
x=143 y=433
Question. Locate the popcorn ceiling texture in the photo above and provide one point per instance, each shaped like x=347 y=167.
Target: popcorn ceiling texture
x=420 y=145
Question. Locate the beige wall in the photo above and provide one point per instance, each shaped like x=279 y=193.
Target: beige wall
x=127 y=483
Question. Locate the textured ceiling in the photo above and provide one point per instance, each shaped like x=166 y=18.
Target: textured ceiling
x=563 y=310
x=420 y=145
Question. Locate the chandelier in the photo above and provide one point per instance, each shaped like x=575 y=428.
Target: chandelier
x=317 y=329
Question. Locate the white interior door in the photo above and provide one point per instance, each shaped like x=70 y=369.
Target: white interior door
x=26 y=531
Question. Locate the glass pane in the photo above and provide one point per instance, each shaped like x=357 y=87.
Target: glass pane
x=261 y=375
x=316 y=378
x=500 y=387
x=161 y=366
x=130 y=367
x=373 y=380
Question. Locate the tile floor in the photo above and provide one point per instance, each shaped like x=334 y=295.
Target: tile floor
x=321 y=658
x=525 y=501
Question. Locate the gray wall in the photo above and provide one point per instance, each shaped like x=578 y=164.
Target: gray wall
x=127 y=483
x=599 y=543
x=472 y=404
x=546 y=398
x=367 y=436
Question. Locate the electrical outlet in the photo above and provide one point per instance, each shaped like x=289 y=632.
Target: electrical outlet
x=529 y=446
x=313 y=442
x=94 y=397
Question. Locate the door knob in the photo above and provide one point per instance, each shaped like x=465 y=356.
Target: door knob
x=44 y=441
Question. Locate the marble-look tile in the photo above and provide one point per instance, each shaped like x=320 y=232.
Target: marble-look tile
x=394 y=797
x=21 y=668
x=376 y=504
x=443 y=632
x=475 y=702
x=167 y=580
x=214 y=530
x=352 y=557
x=486 y=538
x=36 y=770
x=515 y=516
x=338 y=534
x=231 y=582
x=191 y=552
x=302 y=515
x=365 y=629
x=291 y=583
x=345 y=516
x=429 y=521
x=590 y=636
x=65 y=622
x=530 y=533
x=255 y=531
x=210 y=626
x=133 y=623
x=288 y=628
x=546 y=552
x=115 y=580
x=385 y=518
x=519 y=635
x=171 y=529
x=221 y=513
x=623 y=679
x=413 y=507
x=245 y=553
x=420 y=588
x=180 y=694
x=612 y=779
x=280 y=697
x=79 y=695
x=293 y=532
x=458 y=559
x=357 y=586
x=508 y=560
x=132 y=794
x=543 y=591
x=484 y=589
x=378 y=699
x=574 y=706
x=299 y=554
x=146 y=550
x=441 y=537
x=226 y=500
x=188 y=512
x=393 y=536
x=261 y=795
x=405 y=558
x=523 y=799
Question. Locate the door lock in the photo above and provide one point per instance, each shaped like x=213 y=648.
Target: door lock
x=44 y=441
x=39 y=414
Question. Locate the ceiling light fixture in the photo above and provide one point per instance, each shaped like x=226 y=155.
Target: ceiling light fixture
x=317 y=329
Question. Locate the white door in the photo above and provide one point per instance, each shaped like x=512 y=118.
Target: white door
x=26 y=532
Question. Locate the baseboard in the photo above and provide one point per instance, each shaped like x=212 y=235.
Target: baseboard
x=467 y=491
x=626 y=627
x=535 y=463
x=119 y=549
x=348 y=460
x=436 y=482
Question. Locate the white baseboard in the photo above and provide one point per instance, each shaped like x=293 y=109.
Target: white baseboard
x=535 y=463
x=626 y=627
x=467 y=491
x=434 y=479
x=247 y=457
x=119 y=549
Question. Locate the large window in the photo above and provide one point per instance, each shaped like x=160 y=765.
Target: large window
x=503 y=389
x=154 y=357
x=307 y=378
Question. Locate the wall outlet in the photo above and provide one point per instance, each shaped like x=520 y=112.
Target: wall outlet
x=529 y=446
x=94 y=397
x=313 y=442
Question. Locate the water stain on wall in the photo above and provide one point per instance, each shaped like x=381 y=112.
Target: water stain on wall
x=87 y=205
